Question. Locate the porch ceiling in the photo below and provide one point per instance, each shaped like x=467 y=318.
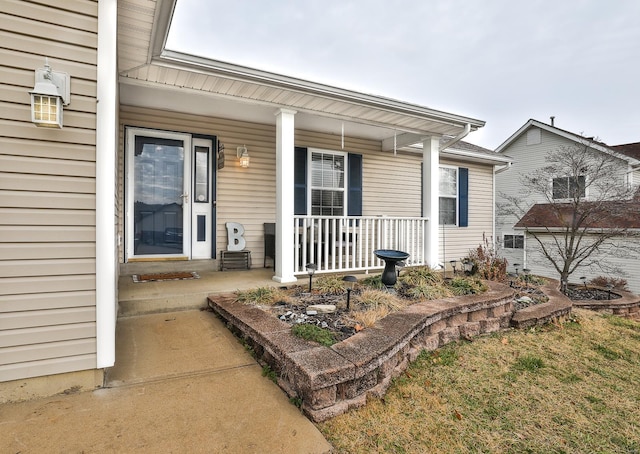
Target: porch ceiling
x=151 y=76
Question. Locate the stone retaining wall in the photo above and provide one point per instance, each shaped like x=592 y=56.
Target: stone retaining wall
x=628 y=305
x=330 y=381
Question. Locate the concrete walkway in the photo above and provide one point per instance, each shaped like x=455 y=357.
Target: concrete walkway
x=182 y=383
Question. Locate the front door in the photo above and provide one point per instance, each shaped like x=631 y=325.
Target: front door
x=169 y=195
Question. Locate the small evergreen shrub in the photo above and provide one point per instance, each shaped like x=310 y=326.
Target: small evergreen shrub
x=314 y=333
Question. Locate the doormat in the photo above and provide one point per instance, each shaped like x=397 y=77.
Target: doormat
x=158 y=277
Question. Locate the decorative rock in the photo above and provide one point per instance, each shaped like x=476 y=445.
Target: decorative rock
x=322 y=308
x=312 y=312
x=524 y=299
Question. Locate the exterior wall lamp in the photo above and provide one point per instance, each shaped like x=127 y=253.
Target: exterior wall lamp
x=243 y=155
x=50 y=93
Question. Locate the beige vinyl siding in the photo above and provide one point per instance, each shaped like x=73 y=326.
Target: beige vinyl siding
x=455 y=242
x=246 y=196
x=391 y=183
x=47 y=193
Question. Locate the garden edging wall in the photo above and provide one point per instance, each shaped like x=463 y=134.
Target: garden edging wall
x=331 y=380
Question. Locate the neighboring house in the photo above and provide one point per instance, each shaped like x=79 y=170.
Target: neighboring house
x=146 y=169
x=527 y=148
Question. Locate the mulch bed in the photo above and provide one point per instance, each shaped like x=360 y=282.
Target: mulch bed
x=589 y=293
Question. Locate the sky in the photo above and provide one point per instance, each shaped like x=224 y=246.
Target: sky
x=501 y=61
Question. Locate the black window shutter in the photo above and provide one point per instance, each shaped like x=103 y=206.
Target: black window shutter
x=463 y=197
x=300 y=181
x=354 y=203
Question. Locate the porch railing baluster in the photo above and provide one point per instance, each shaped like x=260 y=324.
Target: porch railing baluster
x=346 y=244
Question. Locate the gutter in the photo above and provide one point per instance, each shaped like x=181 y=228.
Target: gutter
x=465 y=132
x=500 y=169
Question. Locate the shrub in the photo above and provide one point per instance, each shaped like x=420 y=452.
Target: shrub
x=330 y=284
x=489 y=266
x=421 y=275
x=374 y=282
x=466 y=286
x=379 y=298
x=425 y=291
x=314 y=333
x=603 y=281
x=262 y=295
x=369 y=316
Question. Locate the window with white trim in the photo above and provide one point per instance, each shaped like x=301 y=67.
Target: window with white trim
x=569 y=187
x=513 y=241
x=448 y=187
x=328 y=183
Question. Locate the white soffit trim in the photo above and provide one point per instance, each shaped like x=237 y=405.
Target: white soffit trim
x=182 y=61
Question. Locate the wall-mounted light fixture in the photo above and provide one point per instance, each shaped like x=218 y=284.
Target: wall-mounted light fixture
x=243 y=155
x=50 y=93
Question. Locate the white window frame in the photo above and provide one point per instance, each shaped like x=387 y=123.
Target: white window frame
x=456 y=168
x=513 y=235
x=311 y=188
x=567 y=178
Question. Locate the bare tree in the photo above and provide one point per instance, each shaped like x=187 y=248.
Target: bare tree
x=587 y=209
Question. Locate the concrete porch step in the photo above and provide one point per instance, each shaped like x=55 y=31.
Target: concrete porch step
x=138 y=298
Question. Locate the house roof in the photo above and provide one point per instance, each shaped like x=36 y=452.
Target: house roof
x=211 y=87
x=471 y=152
x=629 y=149
x=633 y=160
x=605 y=215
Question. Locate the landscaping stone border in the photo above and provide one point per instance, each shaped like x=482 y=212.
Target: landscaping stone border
x=328 y=381
x=555 y=309
x=628 y=305
x=331 y=380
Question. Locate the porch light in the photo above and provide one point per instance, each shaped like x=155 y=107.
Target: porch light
x=243 y=155
x=350 y=282
x=50 y=93
x=311 y=269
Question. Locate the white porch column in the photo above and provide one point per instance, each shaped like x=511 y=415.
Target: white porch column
x=284 y=196
x=430 y=197
x=106 y=165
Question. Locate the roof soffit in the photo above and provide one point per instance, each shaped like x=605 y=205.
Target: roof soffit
x=142 y=59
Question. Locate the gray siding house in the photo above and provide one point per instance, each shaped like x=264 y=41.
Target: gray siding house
x=146 y=169
x=527 y=149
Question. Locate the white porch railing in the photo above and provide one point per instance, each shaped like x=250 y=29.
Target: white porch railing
x=339 y=244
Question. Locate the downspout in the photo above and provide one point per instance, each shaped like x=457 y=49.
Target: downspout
x=497 y=170
x=465 y=132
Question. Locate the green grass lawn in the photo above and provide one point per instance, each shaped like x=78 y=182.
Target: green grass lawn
x=573 y=388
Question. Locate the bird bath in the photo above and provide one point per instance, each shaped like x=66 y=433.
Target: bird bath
x=390 y=257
